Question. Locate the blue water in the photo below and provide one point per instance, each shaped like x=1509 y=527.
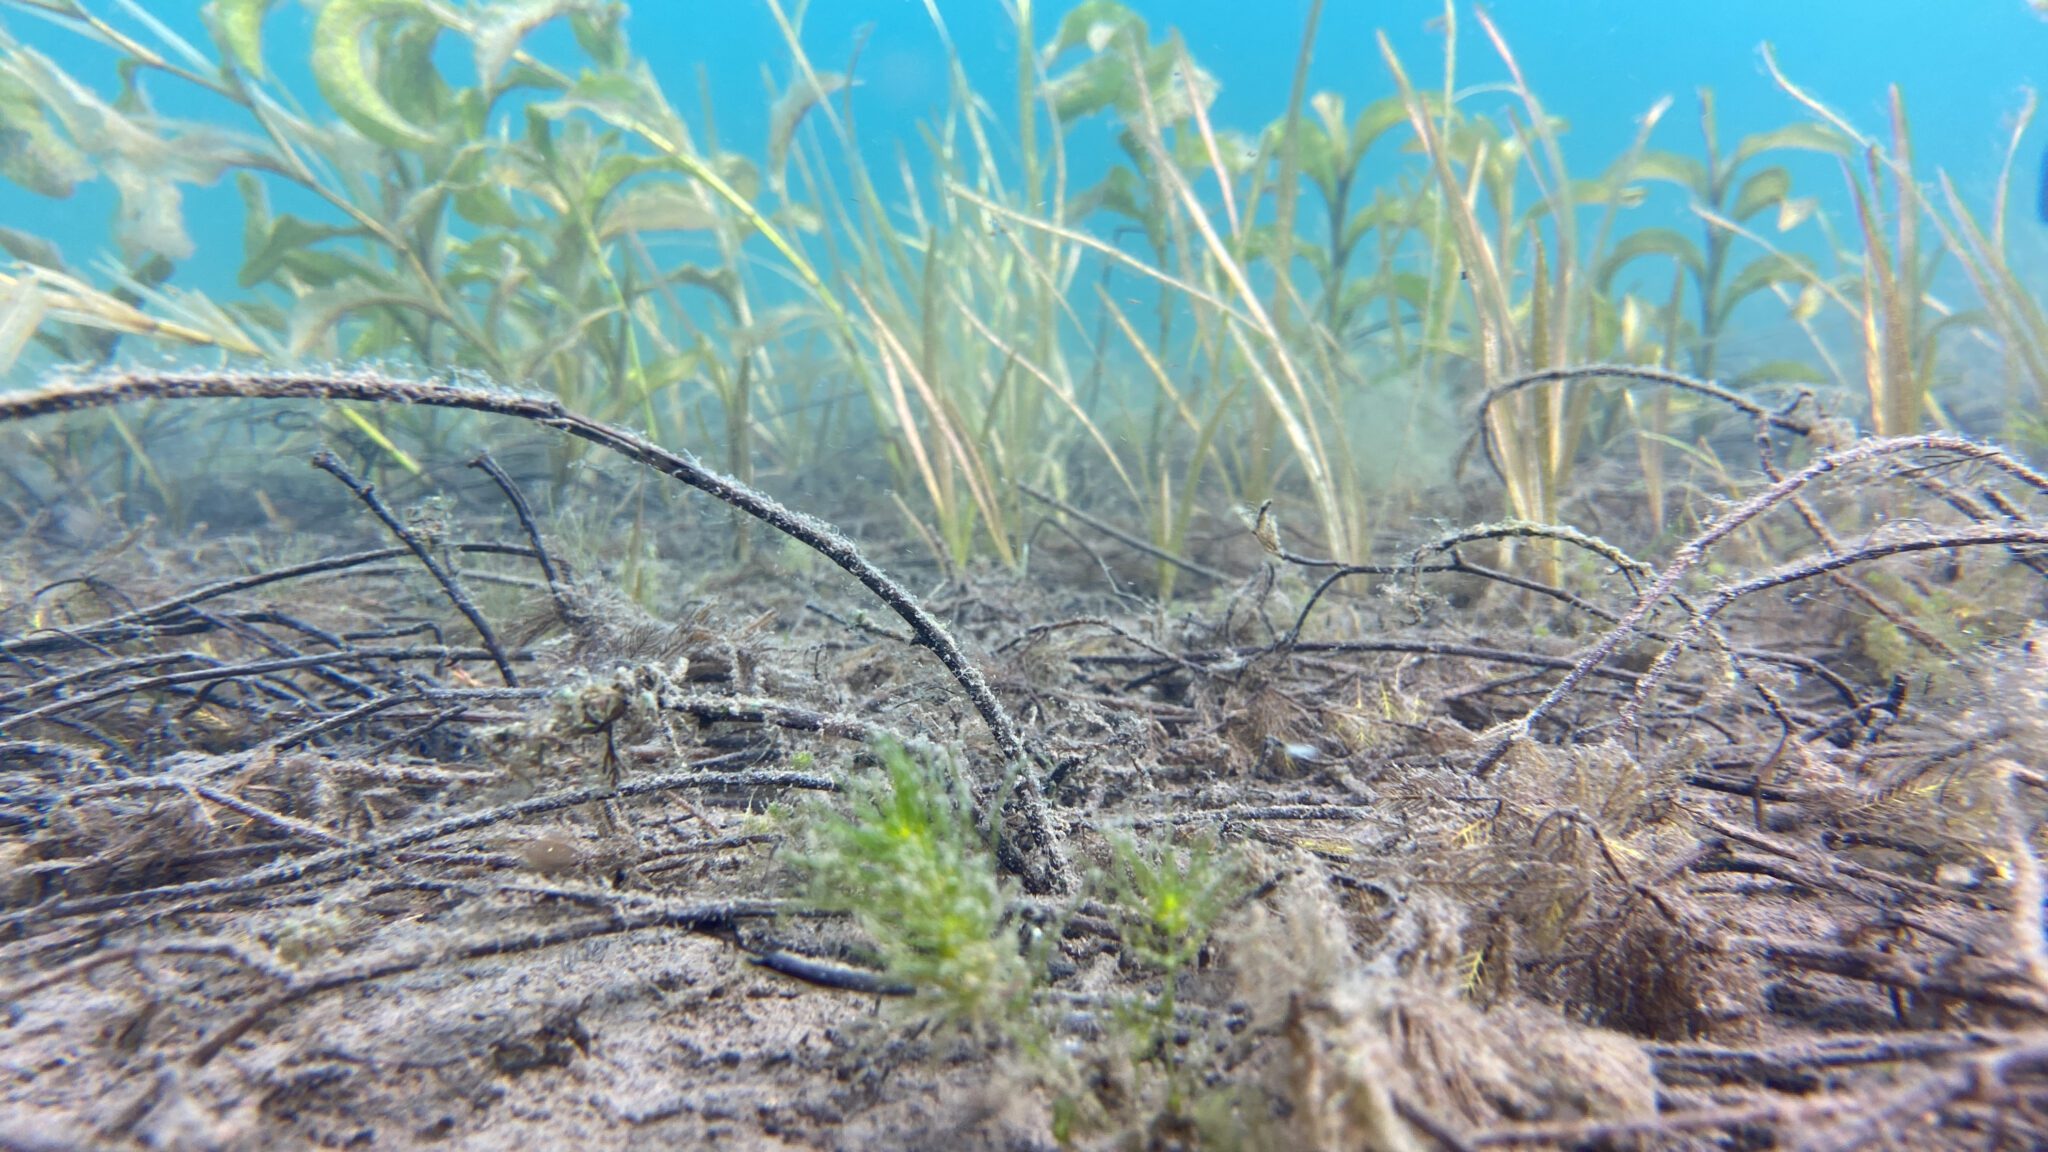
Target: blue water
x=1962 y=64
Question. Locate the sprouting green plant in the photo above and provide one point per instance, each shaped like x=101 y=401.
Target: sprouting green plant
x=907 y=862
x=1890 y=287
x=1331 y=154
x=1484 y=242
x=1168 y=898
x=1728 y=189
x=2012 y=307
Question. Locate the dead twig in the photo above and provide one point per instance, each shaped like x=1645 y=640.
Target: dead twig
x=565 y=605
x=698 y=775
x=331 y=464
x=1694 y=552
x=1039 y=833
x=1125 y=538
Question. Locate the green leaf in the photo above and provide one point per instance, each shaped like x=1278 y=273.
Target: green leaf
x=318 y=268
x=669 y=371
x=540 y=128
x=1409 y=288
x=1095 y=24
x=31 y=249
x=1329 y=110
x=479 y=186
x=664 y=206
x=720 y=282
x=1756 y=276
x=238 y=25
x=1383 y=212
x=630 y=99
x=501 y=26
x=501 y=259
x=415 y=88
x=287 y=234
x=1374 y=121
x=317 y=313
x=1671 y=168
x=1652 y=242
x=1119 y=193
x=1104 y=81
x=255 y=210
x=1764 y=189
x=599 y=32
x=616 y=169
x=1091 y=87
x=33 y=153
x=1602 y=190
x=789 y=112
x=1801 y=137
x=739 y=173
x=150 y=216
x=1319 y=152
x=523 y=75
x=344 y=77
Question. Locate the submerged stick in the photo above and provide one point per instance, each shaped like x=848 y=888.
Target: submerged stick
x=331 y=464
x=1693 y=553
x=701 y=774
x=137 y=623
x=1125 y=538
x=372 y=387
x=564 y=607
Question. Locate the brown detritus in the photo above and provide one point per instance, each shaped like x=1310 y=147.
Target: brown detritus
x=1036 y=824
x=1735 y=882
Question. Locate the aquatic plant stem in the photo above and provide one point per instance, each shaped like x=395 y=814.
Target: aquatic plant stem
x=331 y=464
x=565 y=606
x=1694 y=553
x=115 y=388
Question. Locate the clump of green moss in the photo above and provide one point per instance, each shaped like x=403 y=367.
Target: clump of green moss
x=908 y=864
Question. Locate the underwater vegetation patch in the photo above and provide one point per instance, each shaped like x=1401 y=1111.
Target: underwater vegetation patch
x=1318 y=634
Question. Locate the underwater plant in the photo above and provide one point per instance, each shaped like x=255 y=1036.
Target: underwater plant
x=1569 y=827
x=909 y=865
x=521 y=218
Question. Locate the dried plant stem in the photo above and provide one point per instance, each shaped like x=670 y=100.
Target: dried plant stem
x=230 y=951
x=1703 y=616
x=775 y=713
x=1125 y=538
x=317 y=661
x=377 y=388
x=290 y=871
x=1695 y=550
x=331 y=464
x=132 y=624
x=565 y=607
x=1645 y=375
x=2028 y=888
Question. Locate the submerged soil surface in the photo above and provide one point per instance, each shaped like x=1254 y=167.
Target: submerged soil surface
x=294 y=854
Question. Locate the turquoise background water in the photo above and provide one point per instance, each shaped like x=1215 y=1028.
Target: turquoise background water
x=1963 y=65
